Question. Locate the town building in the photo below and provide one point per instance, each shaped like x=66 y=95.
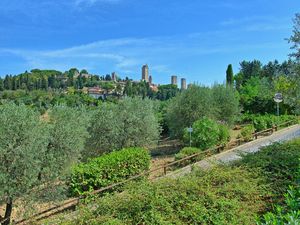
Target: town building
x=150 y=79
x=114 y=76
x=96 y=92
x=174 y=80
x=145 y=73
x=183 y=84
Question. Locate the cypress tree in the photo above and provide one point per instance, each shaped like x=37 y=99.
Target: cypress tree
x=229 y=75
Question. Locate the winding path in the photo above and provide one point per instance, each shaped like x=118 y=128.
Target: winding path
x=235 y=153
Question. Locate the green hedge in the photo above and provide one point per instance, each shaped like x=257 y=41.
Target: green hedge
x=263 y=122
x=108 y=169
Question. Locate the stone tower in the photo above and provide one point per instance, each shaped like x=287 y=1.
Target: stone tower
x=145 y=73
x=174 y=80
x=183 y=84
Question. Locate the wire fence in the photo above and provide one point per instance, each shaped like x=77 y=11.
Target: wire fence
x=71 y=203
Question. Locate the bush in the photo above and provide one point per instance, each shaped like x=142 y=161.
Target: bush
x=263 y=122
x=235 y=194
x=188 y=151
x=224 y=135
x=221 y=196
x=207 y=133
x=108 y=169
x=290 y=214
x=247 y=132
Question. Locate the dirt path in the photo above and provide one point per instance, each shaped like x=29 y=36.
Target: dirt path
x=235 y=153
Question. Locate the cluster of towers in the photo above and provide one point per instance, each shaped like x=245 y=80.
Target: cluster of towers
x=183 y=82
x=148 y=78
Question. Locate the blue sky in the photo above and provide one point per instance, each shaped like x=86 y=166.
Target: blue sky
x=195 y=39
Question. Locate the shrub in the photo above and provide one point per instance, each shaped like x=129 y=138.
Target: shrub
x=290 y=214
x=207 y=133
x=263 y=122
x=260 y=123
x=247 y=132
x=224 y=135
x=221 y=196
x=108 y=169
x=188 y=151
x=235 y=194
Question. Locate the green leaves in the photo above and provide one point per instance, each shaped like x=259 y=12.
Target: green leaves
x=108 y=169
x=130 y=123
x=207 y=133
x=219 y=103
x=23 y=144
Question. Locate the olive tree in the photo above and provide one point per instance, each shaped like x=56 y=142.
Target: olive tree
x=226 y=103
x=23 y=144
x=129 y=123
x=187 y=107
x=35 y=151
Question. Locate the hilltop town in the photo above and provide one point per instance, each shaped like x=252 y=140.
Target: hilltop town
x=96 y=86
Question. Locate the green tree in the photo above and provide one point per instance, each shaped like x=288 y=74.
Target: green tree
x=229 y=75
x=130 y=123
x=166 y=92
x=257 y=96
x=187 y=107
x=1 y=85
x=250 y=69
x=23 y=143
x=295 y=38
x=35 y=152
x=225 y=102
x=68 y=133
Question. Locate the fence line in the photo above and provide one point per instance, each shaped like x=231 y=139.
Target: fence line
x=74 y=201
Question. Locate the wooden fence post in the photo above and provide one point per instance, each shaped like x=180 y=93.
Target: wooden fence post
x=165 y=170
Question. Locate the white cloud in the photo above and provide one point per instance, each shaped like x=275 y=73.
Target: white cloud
x=127 y=55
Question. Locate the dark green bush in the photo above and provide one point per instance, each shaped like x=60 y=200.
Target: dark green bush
x=289 y=212
x=108 y=169
x=247 y=132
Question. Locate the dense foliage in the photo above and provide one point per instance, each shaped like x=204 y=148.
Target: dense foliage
x=219 y=102
x=35 y=151
x=188 y=151
x=207 y=133
x=287 y=214
x=235 y=194
x=258 y=83
x=263 y=122
x=130 y=123
x=108 y=169
x=247 y=132
x=222 y=196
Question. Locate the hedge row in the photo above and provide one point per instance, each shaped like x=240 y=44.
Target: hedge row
x=108 y=169
x=263 y=122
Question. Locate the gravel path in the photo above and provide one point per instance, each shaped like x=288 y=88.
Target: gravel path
x=235 y=153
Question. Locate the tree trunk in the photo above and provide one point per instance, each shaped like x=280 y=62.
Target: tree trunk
x=8 y=212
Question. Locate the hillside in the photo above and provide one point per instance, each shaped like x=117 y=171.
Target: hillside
x=234 y=194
